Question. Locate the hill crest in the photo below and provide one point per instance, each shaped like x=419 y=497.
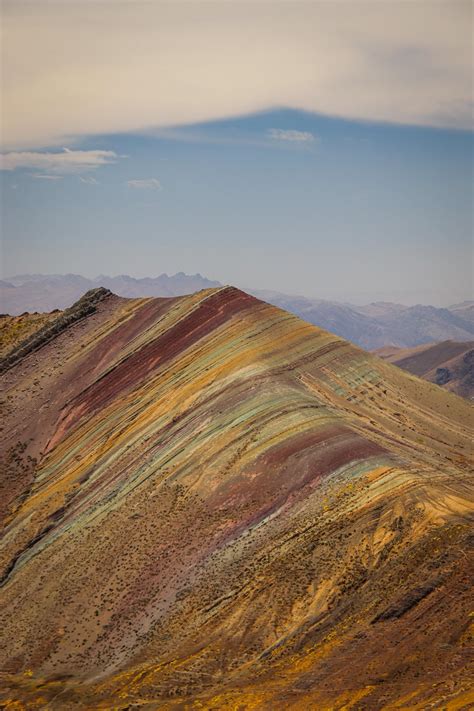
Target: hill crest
x=220 y=501
x=370 y=327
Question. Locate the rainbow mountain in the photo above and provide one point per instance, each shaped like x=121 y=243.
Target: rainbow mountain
x=208 y=503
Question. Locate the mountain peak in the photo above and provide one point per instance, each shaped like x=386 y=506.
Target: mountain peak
x=214 y=480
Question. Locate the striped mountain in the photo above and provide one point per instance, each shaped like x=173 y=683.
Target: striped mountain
x=211 y=504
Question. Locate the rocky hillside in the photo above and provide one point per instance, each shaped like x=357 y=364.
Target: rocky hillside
x=208 y=503
x=448 y=364
x=15 y=329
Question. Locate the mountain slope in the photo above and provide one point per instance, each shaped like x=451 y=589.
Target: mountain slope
x=449 y=364
x=209 y=503
x=14 y=329
x=464 y=311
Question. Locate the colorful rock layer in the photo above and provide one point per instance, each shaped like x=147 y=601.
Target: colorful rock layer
x=211 y=504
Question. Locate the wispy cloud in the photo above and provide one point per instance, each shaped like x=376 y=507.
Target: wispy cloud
x=281 y=134
x=145 y=184
x=40 y=176
x=88 y=180
x=66 y=162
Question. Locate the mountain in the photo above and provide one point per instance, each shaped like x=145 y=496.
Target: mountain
x=341 y=319
x=370 y=327
x=416 y=325
x=448 y=364
x=209 y=503
x=379 y=324
x=39 y=292
x=465 y=310
x=381 y=309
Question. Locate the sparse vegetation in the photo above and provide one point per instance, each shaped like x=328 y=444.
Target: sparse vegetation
x=227 y=502
x=86 y=305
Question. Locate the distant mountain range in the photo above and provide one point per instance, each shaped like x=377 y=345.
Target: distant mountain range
x=371 y=326
x=45 y=292
x=381 y=324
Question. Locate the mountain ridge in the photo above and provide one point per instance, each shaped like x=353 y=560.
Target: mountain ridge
x=372 y=326
x=221 y=504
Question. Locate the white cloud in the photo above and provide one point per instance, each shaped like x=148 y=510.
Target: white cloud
x=80 y=68
x=280 y=134
x=88 y=180
x=145 y=184
x=38 y=176
x=66 y=162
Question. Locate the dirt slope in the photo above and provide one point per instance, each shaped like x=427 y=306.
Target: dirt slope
x=210 y=504
x=448 y=364
x=15 y=329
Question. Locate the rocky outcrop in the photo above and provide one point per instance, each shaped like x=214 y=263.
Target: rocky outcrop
x=80 y=309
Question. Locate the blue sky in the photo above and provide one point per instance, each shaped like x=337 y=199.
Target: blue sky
x=361 y=211
x=143 y=138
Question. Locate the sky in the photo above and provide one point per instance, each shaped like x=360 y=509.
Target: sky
x=318 y=148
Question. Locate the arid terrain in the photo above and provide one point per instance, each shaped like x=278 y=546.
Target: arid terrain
x=448 y=364
x=208 y=503
x=14 y=329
